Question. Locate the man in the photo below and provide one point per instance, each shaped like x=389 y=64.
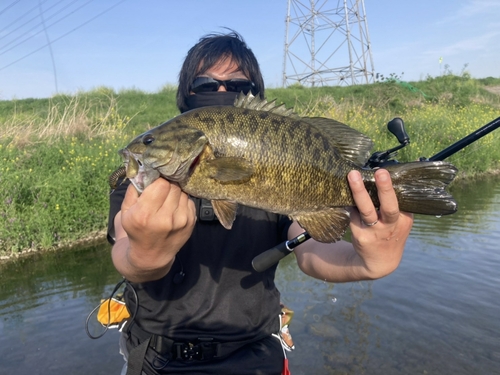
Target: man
x=197 y=304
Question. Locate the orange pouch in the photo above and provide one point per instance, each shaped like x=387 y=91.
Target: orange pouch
x=112 y=312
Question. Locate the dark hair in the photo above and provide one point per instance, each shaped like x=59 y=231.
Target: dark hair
x=207 y=52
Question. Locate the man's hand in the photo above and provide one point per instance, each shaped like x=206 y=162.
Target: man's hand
x=378 y=237
x=151 y=229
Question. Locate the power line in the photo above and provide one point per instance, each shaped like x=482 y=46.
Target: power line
x=21 y=17
x=38 y=24
x=9 y=6
x=62 y=36
x=50 y=46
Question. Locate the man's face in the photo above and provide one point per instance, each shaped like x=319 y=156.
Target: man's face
x=225 y=70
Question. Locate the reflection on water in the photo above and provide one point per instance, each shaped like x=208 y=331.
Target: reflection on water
x=477 y=208
x=44 y=301
x=437 y=313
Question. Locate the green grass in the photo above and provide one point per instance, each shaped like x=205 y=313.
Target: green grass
x=56 y=154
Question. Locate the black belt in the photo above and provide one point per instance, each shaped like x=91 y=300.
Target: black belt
x=201 y=349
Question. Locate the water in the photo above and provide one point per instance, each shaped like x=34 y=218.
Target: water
x=436 y=314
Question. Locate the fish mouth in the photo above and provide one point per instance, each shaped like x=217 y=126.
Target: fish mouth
x=135 y=170
x=141 y=174
x=138 y=179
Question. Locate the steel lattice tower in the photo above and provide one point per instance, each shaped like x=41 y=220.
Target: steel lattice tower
x=327 y=42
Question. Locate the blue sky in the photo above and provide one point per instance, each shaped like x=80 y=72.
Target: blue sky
x=141 y=44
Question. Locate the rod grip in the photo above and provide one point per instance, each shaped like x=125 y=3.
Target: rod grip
x=270 y=257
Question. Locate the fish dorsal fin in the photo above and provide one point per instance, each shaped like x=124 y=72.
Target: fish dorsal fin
x=350 y=143
x=256 y=103
x=328 y=225
x=225 y=212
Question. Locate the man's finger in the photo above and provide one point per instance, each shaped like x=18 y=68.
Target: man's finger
x=153 y=197
x=172 y=200
x=389 y=208
x=131 y=196
x=364 y=203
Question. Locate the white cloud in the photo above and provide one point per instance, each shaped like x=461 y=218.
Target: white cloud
x=473 y=9
x=475 y=43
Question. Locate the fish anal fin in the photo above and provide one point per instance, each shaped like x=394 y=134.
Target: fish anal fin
x=230 y=169
x=225 y=212
x=328 y=225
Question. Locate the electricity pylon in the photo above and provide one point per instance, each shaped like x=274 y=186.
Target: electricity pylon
x=327 y=42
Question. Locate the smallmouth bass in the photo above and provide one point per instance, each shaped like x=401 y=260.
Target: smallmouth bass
x=263 y=155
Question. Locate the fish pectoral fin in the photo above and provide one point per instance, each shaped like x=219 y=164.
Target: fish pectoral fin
x=230 y=169
x=326 y=226
x=225 y=212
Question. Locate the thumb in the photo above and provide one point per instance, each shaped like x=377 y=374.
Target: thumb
x=131 y=196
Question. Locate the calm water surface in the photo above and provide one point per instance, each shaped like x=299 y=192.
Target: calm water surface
x=438 y=313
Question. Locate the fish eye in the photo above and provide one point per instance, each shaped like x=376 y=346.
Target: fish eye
x=148 y=139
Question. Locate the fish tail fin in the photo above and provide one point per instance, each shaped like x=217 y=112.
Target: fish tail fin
x=420 y=187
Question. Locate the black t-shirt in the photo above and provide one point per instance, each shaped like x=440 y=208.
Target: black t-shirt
x=220 y=295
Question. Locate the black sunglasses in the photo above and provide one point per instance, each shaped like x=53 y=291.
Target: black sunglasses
x=207 y=84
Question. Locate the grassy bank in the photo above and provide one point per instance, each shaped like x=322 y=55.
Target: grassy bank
x=57 y=153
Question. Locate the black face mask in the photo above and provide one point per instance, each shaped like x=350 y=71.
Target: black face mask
x=205 y=99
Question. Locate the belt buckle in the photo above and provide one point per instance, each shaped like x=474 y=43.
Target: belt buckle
x=188 y=351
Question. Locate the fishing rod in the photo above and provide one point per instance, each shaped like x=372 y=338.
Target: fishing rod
x=378 y=159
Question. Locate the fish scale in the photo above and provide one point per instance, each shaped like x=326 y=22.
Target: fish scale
x=278 y=166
